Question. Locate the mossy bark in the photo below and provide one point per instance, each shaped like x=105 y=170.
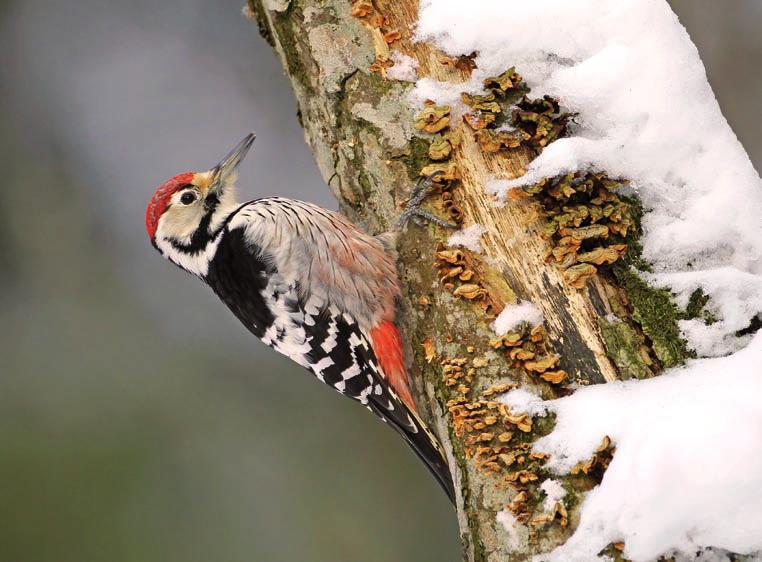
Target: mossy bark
x=360 y=128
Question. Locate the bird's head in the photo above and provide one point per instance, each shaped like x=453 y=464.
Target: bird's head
x=186 y=212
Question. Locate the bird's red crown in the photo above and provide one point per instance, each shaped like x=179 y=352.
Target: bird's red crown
x=158 y=203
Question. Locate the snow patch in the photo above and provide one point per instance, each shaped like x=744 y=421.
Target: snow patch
x=443 y=93
x=511 y=526
x=687 y=472
x=469 y=238
x=715 y=556
x=515 y=314
x=554 y=493
x=404 y=67
x=520 y=400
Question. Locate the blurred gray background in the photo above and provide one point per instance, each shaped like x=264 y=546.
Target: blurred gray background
x=138 y=421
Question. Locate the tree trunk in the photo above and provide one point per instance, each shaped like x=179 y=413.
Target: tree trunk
x=601 y=322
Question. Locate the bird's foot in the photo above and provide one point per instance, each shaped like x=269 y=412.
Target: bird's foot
x=414 y=212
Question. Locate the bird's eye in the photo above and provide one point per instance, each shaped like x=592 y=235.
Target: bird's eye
x=187 y=198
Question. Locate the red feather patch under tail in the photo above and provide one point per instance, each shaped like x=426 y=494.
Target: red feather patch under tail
x=387 y=345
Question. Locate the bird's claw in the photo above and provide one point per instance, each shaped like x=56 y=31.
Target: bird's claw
x=414 y=212
x=420 y=217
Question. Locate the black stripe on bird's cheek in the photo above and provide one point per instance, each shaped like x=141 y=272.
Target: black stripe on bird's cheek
x=200 y=237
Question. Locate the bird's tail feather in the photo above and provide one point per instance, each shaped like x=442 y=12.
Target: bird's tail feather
x=419 y=438
x=430 y=452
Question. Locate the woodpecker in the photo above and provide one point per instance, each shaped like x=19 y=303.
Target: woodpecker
x=306 y=281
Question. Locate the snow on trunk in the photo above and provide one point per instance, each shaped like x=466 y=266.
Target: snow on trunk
x=645 y=113
x=687 y=472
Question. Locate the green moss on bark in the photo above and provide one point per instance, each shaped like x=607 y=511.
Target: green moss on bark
x=697 y=308
x=418 y=157
x=624 y=344
x=655 y=311
x=284 y=26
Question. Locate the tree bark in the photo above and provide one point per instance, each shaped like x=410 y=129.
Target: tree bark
x=361 y=129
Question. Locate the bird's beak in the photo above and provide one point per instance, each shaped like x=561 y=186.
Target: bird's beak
x=226 y=169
